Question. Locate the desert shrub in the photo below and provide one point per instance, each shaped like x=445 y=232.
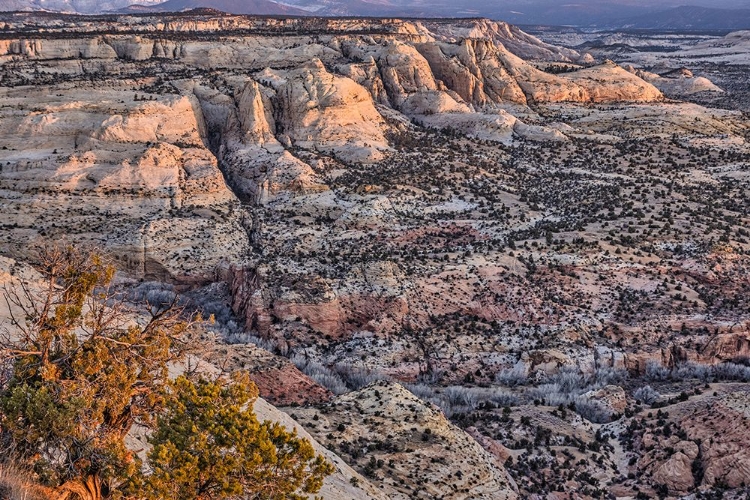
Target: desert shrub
x=455 y=394
x=214 y=302
x=449 y=409
x=568 y=380
x=451 y=400
x=728 y=371
x=502 y=398
x=270 y=345
x=607 y=375
x=320 y=373
x=357 y=377
x=512 y=377
x=571 y=380
x=422 y=391
x=330 y=381
x=433 y=376
x=339 y=378
x=655 y=371
x=646 y=395
x=240 y=337
x=569 y=386
x=556 y=395
x=592 y=411
x=693 y=370
x=551 y=394
x=230 y=327
x=731 y=371
x=471 y=398
x=160 y=297
x=458 y=399
x=430 y=395
x=152 y=293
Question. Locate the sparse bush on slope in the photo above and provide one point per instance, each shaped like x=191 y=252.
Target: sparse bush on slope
x=646 y=395
x=208 y=444
x=76 y=376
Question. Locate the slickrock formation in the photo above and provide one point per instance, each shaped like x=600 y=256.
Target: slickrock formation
x=611 y=83
x=514 y=39
x=460 y=69
x=410 y=448
x=96 y=165
x=709 y=446
x=345 y=482
x=677 y=83
x=319 y=110
x=472 y=69
x=538 y=85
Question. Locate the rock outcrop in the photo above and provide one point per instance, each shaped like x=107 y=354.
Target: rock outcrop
x=420 y=70
x=473 y=70
x=345 y=482
x=133 y=176
x=710 y=447
x=319 y=110
x=278 y=380
x=411 y=448
x=609 y=82
x=676 y=473
x=514 y=39
x=678 y=82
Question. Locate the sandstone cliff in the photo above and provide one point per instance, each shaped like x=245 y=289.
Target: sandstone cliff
x=140 y=169
x=514 y=39
x=319 y=110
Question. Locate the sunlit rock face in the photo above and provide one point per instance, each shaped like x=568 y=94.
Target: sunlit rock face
x=94 y=164
x=340 y=95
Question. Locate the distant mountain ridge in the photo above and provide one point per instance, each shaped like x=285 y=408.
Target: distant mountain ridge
x=688 y=17
x=72 y=6
x=668 y=14
x=258 y=7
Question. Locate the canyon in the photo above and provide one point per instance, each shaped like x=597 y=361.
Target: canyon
x=451 y=253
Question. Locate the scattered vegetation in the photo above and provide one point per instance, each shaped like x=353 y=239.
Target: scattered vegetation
x=78 y=374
